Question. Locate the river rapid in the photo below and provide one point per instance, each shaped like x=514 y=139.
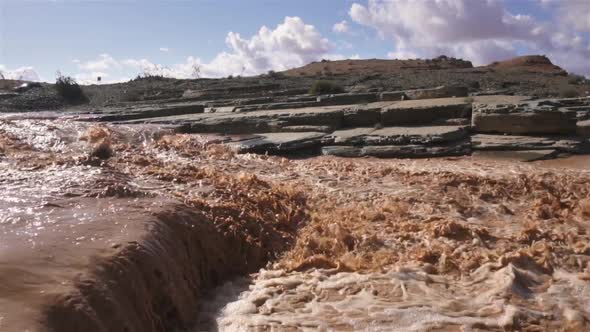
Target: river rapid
x=446 y=244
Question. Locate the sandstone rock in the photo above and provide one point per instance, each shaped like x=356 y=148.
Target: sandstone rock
x=582 y=112
x=278 y=106
x=256 y=121
x=414 y=112
x=279 y=142
x=515 y=143
x=233 y=91
x=118 y=114
x=392 y=96
x=223 y=109
x=453 y=122
x=361 y=116
x=583 y=128
x=438 y=92
x=343 y=151
x=302 y=129
x=253 y=101
x=397 y=135
x=522 y=155
x=347 y=99
x=523 y=119
x=399 y=151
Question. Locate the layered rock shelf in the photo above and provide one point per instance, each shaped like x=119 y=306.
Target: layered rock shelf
x=404 y=128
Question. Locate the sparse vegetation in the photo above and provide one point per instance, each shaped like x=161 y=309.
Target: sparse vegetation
x=325 y=87
x=69 y=89
x=274 y=74
x=148 y=76
x=576 y=79
x=568 y=92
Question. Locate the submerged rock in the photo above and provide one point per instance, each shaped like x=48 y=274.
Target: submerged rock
x=279 y=142
x=399 y=151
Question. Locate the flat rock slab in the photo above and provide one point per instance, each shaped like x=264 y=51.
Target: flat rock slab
x=524 y=155
x=399 y=151
x=397 y=135
x=256 y=121
x=134 y=113
x=515 y=143
x=274 y=143
x=583 y=128
x=362 y=115
x=301 y=129
x=438 y=92
x=278 y=106
x=527 y=119
x=416 y=112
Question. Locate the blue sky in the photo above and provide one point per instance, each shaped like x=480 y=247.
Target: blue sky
x=121 y=38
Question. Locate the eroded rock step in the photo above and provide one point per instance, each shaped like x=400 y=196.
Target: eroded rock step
x=517 y=142
x=418 y=112
x=133 y=113
x=383 y=142
x=397 y=135
x=527 y=119
x=400 y=151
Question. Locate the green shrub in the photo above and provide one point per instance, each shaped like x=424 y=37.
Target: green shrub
x=325 y=87
x=69 y=90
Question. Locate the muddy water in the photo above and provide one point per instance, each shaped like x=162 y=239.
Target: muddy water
x=462 y=244
x=451 y=244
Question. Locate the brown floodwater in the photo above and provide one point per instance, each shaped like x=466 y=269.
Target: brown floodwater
x=446 y=244
x=452 y=244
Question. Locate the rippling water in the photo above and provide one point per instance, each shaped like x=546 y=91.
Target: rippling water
x=451 y=244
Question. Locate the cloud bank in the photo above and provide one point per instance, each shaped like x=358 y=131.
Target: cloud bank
x=26 y=73
x=291 y=43
x=478 y=30
x=481 y=31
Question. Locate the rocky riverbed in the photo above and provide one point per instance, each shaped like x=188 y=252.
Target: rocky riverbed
x=110 y=226
x=252 y=205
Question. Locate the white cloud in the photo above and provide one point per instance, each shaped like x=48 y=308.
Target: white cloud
x=575 y=13
x=26 y=73
x=291 y=43
x=164 y=49
x=341 y=27
x=481 y=31
x=103 y=62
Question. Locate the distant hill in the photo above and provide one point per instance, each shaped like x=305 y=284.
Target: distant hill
x=341 y=67
x=528 y=63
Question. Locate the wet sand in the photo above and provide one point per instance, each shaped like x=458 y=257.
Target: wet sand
x=449 y=244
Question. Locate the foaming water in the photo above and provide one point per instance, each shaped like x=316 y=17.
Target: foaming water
x=450 y=244
x=407 y=300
